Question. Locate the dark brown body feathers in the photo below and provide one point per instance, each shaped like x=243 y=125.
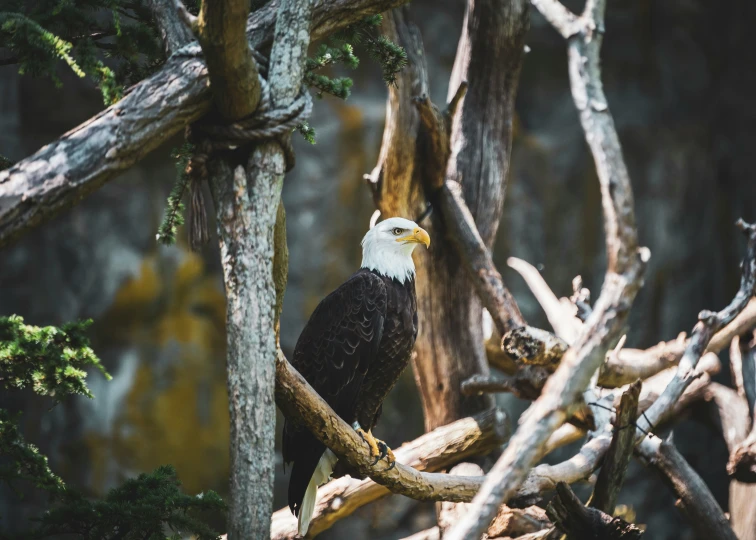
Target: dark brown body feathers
x=352 y=351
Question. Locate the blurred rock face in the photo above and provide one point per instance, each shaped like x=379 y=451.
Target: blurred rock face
x=682 y=101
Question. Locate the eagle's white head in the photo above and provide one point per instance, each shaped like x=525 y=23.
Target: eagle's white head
x=387 y=247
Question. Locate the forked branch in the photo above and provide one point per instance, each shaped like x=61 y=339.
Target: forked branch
x=603 y=328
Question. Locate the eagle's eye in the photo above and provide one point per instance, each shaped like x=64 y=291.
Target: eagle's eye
x=397 y=231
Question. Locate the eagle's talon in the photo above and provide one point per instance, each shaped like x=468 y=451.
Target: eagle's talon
x=387 y=453
x=367 y=436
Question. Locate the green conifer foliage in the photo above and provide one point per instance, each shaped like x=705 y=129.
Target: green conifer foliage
x=114 y=42
x=52 y=362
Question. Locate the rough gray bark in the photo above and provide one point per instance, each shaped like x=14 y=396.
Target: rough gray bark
x=695 y=498
x=247 y=203
x=603 y=328
x=418 y=149
x=63 y=172
x=174 y=32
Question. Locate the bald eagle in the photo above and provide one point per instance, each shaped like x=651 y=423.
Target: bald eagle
x=352 y=351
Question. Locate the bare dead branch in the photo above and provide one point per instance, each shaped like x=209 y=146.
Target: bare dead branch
x=438 y=449
x=297 y=399
x=449 y=512
x=734 y=419
x=174 y=31
x=708 y=325
x=742 y=463
x=562 y=19
x=477 y=260
x=576 y=521
x=623 y=279
x=63 y=172
x=618 y=370
x=565 y=325
x=620 y=451
x=221 y=29
x=695 y=498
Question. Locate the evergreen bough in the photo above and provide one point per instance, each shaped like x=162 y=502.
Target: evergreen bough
x=52 y=362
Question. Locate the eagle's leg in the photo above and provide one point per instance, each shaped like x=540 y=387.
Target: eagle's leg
x=378 y=448
x=367 y=436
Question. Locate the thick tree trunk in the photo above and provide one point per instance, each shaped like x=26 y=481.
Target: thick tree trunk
x=246 y=188
x=245 y=221
x=416 y=158
x=450 y=346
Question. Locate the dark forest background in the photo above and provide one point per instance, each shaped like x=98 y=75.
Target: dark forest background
x=681 y=87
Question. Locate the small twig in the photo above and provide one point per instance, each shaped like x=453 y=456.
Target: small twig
x=562 y=322
x=620 y=451
x=709 y=323
x=189 y=20
x=581 y=299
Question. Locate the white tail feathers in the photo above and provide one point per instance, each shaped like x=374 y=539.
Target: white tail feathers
x=321 y=475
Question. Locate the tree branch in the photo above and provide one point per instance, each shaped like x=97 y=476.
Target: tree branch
x=620 y=451
x=221 y=29
x=174 y=31
x=618 y=370
x=742 y=463
x=709 y=323
x=438 y=449
x=695 y=498
x=297 y=399
x=154 y=110
x=734 y=419
x=477 y=260
x=603 y=327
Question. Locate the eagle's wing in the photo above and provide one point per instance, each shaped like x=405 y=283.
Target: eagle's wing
x=341 y=339
x=333 y=353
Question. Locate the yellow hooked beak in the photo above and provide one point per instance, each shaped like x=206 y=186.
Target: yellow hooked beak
x=418 y=236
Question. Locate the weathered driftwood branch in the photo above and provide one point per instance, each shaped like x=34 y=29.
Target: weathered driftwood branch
x=567 y=512
x=630 y=364
x=544 y=478
x=565 y=325
x=695 y=498
x=509 y=523
x=623 y=279
x=477 y=260
x=438 y=449
x=620 y=451
x=698 y=503
x=734 y=419
x=154 y=110
x=297 y=399
x=449 y=512
x=708 y=325
x=742 y=463
x=174 y=32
